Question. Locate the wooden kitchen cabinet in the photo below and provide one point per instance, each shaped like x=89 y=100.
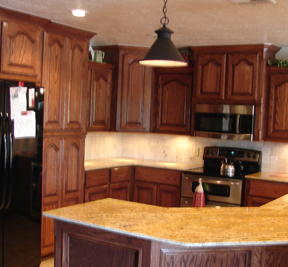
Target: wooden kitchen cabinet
x=114 y=183
x=173 y=90
x=157 y=186
x=133 y=88
x=99 y=96
x=275 y=122
x=231 y=74
x=21 y=46
x=259 y=192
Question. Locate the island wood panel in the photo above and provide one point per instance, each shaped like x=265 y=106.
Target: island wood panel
x=80 y=246
x=277 y=91
x=73 y=171
x=135 y=93
x=21 y=49
x=174 y=90
x=99 y=96
x=243 y=77
x=210 y=76
x=76 y=88
x=54 y=80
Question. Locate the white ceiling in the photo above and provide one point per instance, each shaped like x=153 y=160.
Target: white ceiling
x=195 y=22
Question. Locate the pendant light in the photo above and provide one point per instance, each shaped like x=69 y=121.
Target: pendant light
x=163 y=53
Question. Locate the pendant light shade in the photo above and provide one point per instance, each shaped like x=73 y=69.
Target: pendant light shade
x=163 y=53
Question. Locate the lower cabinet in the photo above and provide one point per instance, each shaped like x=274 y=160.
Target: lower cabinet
x=114 y=183
x=258 y=193
x=159 y=187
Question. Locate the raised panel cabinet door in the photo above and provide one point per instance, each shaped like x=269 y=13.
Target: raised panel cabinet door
x=277 y=126
x=135 y=94
x=51 y=189
x=76 y=87
x=168 y=196
x=73 y=171
x=242 y=77
x=120 y=190
x=21 y=50
x=54 y=80
x=173 y=103
x=100 y=96
x=96 y=193
x=210 y=75
x=145 y=193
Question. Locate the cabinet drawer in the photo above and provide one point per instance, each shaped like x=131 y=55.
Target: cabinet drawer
x=95 y=178
x=161 y=176
x=121 y=174
x=267 y=189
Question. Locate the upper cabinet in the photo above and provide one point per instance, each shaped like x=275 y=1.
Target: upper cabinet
x=275 y=122
x=99 y=96
x=65 y=78
x=230 y=74
x=132 y=83
x=172 y=98
x=21 y=46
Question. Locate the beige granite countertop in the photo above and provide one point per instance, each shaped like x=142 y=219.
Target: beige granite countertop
x=195 y=227
x=120 y=162
x=269 y=176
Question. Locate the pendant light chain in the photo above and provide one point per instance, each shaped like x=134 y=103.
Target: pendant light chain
x=164 y=20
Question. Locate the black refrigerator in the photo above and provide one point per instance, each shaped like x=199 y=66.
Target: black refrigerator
x=20 y=175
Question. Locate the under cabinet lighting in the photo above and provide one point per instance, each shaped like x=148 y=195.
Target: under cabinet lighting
x=78 y=13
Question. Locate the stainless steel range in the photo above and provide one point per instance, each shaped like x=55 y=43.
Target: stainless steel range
x=223 y=176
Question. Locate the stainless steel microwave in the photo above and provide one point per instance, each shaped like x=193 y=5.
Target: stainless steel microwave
x=230 y=122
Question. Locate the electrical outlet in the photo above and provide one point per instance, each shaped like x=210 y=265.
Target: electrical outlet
x=196 y=152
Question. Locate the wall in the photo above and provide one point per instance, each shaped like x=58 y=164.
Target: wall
x=176 y=148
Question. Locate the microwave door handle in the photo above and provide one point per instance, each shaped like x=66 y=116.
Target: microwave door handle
x=238 y=124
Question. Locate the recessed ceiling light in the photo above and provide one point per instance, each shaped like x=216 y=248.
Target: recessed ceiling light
x=78 y=13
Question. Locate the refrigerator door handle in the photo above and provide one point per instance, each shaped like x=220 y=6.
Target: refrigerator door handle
x=9 y=167
x=4 y=171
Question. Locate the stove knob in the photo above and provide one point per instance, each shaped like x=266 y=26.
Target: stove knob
x=213 y=152
x=249 y=155
x=255 y=156
x=207 y=152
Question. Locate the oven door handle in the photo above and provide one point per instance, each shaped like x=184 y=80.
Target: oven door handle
x=219 y=181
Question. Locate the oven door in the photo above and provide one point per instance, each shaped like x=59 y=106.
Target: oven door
x=217 y=189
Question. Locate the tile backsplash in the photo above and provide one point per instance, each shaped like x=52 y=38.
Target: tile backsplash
x=176 y=148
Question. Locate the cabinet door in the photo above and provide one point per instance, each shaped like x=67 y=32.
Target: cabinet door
x=54 y=80
x=76 y=87
x=277 y=126
x=210 y=76
x=242 y=77
x=145 y=193
x=120 y=190
x=73 y=171
x=96 y=193
x=51 y=189
x=100 y=86
x=173 y=102
x=134 y=113
x=168 y=196
x=21 y=50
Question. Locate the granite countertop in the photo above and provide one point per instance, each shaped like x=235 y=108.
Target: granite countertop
x=269 y=176
x=120 y=162
x=192 y=227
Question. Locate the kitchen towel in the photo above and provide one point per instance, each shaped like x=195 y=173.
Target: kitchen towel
x=199 y=196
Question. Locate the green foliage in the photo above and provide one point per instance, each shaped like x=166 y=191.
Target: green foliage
x=278 y=62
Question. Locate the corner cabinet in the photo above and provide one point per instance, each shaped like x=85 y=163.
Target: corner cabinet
x=231 y=74
x=276 y=122
x=133 y=88
x=172 y=97
x=99 y=96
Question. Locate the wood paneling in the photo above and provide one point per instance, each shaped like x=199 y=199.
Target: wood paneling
x=121 y=174
x=97 y=177
x=120 y=190
x=145 y=193
x=168 y=196
x=96 y=193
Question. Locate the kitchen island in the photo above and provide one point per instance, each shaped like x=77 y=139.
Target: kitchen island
x=112 y=232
